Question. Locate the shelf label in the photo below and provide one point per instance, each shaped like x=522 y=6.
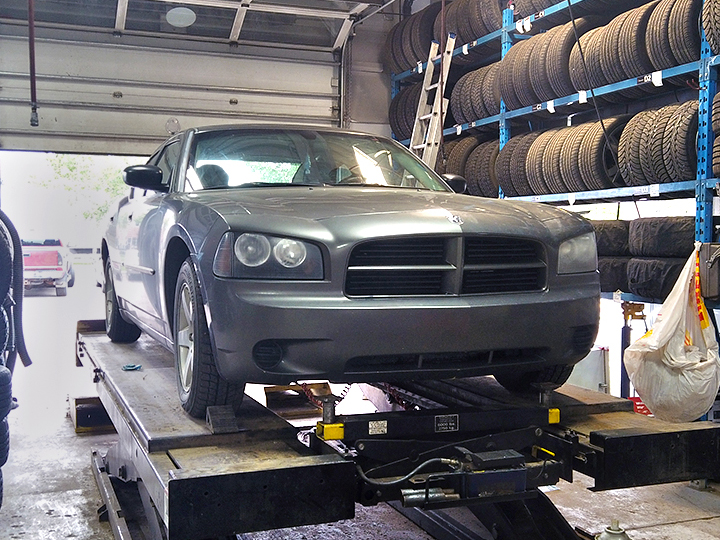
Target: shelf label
x=645 y=79
x=539 y=15
x=419 y=67
x=582 y=96
x=657 y=78
x=571 y=198
x=641 y=190
x=655 y=190
x=527 y=24
x=458 y=129
x=617 y=297
x=519 y=27
x=537 y=107
x=551 y=106
x=465 y=49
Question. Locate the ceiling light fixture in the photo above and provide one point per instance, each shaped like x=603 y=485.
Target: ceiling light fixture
x=180 y=17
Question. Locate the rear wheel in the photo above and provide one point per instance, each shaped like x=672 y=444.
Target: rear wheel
x=117 y=328
x=71 y=277
x=554 y=376
x=199 y=383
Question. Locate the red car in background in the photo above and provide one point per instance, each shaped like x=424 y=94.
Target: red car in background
x=47 y=263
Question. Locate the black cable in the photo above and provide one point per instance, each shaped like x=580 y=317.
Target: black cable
x=592 y=91
x=453 y=463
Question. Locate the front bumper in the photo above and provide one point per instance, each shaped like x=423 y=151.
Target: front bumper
x=275 y=337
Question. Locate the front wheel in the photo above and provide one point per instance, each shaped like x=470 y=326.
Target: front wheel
x=199 y=383
x=554 y=376
x=117 y=328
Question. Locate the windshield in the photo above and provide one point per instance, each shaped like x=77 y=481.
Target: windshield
x=264 y=157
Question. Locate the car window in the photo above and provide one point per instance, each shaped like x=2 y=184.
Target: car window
x=167 y=160
x=269 y=157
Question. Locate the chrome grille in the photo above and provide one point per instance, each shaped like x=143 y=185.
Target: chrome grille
x=434 y=266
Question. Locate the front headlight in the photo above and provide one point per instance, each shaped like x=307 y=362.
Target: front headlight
x=578 y=255
x=259 y=256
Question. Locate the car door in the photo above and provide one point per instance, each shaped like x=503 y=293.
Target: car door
x=143 y=226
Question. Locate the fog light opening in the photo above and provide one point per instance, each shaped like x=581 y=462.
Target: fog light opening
x=267 y=354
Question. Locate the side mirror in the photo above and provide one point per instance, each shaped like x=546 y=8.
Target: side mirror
x=456 y=182
x=145 y=177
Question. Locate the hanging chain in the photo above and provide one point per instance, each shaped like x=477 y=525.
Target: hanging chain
x=315 y=401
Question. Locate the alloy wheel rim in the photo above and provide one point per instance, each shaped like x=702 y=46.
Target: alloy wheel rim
x=185 y=338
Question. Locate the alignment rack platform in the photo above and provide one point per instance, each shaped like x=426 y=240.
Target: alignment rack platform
x=466 y=443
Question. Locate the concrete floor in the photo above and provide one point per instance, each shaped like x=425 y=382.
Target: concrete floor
x=50 y=493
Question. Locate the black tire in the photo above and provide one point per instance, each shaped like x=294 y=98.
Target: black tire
x=662 y=237
x=613 y=274
x=445 y=149
x=480 y=170
x=653 y=278
x=1 y=488
x=629 y=156
x=538 y=68
x=491 y=90
x=683 y=30
x=503 y=164
x=199 y=383
x=476 y=94
x=456 y=99
x=533 y=162
x=660 y=173
x=634 y=58
x=505 y=78
x=711 y=25
x=5 y=392
x=657 y=44
x=4 y=441
x=551 y=174
x=716 y=114
x=679 y=143
x=561 y=44
x=530 y=380
x=518 y=164
x=610 y=47
x=466 y=100
x=612 y=237
x=646 y=137
x=410 y=109
x=599 y=167
x=459 y=154
x=716 y=158
x=117 y=328
x=6 y=265
x=570 y=158
x=521 y=75
x=71 y=277
x=422 y=34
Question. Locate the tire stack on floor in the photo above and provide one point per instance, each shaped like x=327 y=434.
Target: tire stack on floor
x=6 y=278
x=612 y=237
x=659 y=248
x=644 y=256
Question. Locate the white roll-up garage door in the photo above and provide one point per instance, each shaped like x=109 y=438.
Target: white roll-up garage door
x=120 y=98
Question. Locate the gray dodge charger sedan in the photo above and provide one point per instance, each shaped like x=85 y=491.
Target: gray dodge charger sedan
x=274 y=254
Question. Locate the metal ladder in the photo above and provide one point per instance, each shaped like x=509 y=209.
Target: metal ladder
x=429 y=119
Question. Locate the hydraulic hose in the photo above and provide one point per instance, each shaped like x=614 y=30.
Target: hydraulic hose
x=18 y=291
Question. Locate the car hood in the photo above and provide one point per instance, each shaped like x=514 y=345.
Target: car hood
x=386 y=211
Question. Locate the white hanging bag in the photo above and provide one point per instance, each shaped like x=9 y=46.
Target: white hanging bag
x=675 y=367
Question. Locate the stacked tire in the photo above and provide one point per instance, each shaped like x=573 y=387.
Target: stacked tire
x=644 y=256
x=6 y=278
x=660 y=145
x=716 y=130
x=474 y=157
x=659 y=248
x=612 y=237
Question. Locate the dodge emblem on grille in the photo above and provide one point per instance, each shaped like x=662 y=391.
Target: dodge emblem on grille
x=455 y=219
